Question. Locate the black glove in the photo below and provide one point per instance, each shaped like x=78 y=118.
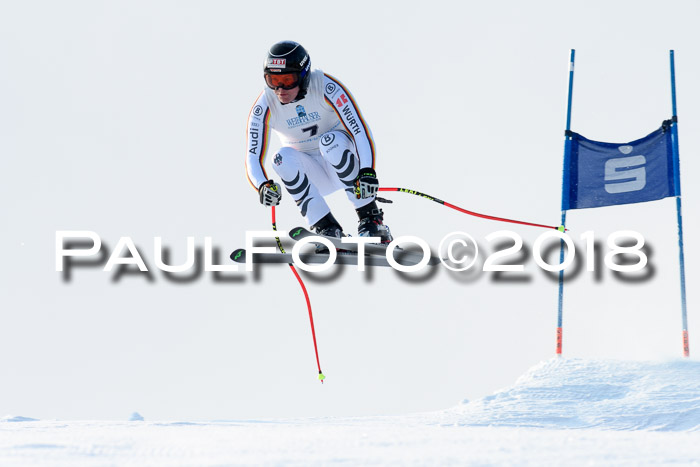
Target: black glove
x=366 y=183
x=270 y=193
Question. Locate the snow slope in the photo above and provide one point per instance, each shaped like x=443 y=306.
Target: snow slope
x=573 y=393
x=561 y=412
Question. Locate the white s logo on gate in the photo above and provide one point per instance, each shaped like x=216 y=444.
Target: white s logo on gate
x=631 y=169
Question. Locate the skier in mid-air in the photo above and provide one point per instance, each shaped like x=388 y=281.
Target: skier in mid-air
x=326 y=144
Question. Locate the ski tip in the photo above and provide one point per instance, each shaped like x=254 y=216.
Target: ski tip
x=238 y=255
x=296 y=231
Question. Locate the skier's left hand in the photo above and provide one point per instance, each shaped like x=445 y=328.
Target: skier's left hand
x=270 y=193
x=366 y=183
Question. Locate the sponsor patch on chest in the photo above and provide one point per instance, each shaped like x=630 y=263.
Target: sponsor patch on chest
x=303 y=117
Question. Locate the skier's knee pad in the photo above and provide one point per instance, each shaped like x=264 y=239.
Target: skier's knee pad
x=287 y=162
x=338 y=148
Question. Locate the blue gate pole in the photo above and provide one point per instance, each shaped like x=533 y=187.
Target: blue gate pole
x=565 y=183
x=677 y=183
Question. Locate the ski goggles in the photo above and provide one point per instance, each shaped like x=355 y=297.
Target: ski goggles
x=284 y=81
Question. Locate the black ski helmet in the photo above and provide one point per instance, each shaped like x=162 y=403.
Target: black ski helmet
x=290 y=57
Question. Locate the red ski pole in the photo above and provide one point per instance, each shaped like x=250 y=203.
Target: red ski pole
x=471 y=213
x=321 y=377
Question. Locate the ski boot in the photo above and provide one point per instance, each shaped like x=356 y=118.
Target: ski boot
x=329 y=227
x=371 y=223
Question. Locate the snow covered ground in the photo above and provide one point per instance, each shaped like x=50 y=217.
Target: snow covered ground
x=561 y=412
x=611 y=395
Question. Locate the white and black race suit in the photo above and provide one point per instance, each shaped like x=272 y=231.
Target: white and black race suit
x=325 y=141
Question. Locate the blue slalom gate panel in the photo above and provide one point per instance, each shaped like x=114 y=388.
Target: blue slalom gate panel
x=605 y=174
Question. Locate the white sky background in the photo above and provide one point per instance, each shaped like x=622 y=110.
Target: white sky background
x=128 y=118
